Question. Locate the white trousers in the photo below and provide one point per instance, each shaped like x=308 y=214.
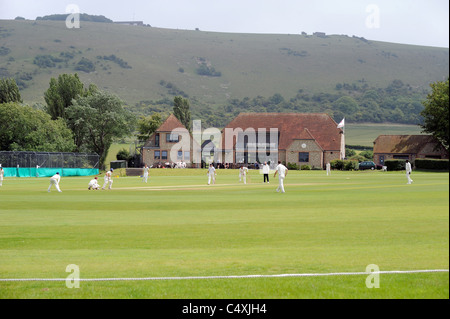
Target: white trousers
x=408 y=177
x=211 y=177
x=53 y=182
x=280 y=184
x=107 y=182
x=145 y=178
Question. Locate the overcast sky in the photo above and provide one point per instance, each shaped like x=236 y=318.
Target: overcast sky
x=418 y=22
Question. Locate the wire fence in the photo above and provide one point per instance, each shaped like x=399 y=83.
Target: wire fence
x=48 y=160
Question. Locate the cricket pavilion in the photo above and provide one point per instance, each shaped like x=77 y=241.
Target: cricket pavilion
x=249 y=139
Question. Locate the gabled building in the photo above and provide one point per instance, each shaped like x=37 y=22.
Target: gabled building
x=302 y=138
x=407 y=147
x=157 y=150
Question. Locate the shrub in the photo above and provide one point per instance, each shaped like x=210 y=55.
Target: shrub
x=305 y=167
x=433 y=164
x=337 y=164
x=350 y=165
x=293 y=166
x=395 y=165
x=85 y=65
x=123 y=155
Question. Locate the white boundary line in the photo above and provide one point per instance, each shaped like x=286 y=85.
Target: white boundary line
x=232 y=277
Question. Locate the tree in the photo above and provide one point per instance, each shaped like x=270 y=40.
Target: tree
x=62 y=92
x=181 y=111
x=26 y=129
x=436 y=113
x=97 y=120
x=148 y=125
x=9 y=91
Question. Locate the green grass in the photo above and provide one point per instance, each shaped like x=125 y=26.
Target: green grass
x=251 y=64
x=365 y=134
x=176 y=225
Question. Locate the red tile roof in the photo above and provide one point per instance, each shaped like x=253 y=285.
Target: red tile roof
x=170 y=124
x=319 y=126
x=401 y=144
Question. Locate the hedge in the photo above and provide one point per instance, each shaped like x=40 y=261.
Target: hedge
x=395 y=165
x=432 y=164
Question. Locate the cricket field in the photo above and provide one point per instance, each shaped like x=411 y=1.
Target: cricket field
x=176 y=237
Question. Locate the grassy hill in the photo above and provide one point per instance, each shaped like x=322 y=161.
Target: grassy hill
x=152 y=64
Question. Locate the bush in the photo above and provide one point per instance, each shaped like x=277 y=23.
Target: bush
x=395 y=165
x=305 y=168
x=342 y=165
x=293 y=166
x=433 y=164
x=123 y=155
x=350 y=165
x=367 y=154
x=85 y=65
x=337 y=164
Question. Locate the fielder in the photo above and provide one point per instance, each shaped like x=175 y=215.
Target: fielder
x=93 y=184
x=108 y=179
x=1 y=176
x=408 y=172
x=146 y=169
x=243 y=174
x=328 y=166
x=282 y=171
x=54 y=180
x=211 y=174
x=266 y=170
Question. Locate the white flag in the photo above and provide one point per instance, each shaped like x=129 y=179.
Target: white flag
x=342 y=123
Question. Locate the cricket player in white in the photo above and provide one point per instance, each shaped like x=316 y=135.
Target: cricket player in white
x=408 y=172
x=243 y=173
x=54 y=180
x=328 y=169
x=93 y=184
x=1 y=176
x=108 y=179
x=211 y=174
x=146 y=169
x=282 y=171
x=266 y=171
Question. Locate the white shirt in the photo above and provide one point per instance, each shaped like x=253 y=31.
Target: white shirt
x=146 y=169
x=1 y=173
x=281 y=169
x=93 y=182
x=266 y=169
x=408 y=167
x=211 y=170
x=243 y=170
x=56 y=178
x=108 y=175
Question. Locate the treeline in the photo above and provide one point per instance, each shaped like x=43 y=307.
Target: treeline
x=74 y=119
x=83 y=17
x=396 y=103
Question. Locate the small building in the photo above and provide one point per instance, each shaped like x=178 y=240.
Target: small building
x=138 y=23
x=156 y=152
x=407 y=147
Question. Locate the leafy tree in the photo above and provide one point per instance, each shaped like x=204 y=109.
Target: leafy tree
x=181 y=111
x=9 y=91
x=62 y=91
x=27 y=129
x=436 y=113
x=148 y=125
x=98 y=119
